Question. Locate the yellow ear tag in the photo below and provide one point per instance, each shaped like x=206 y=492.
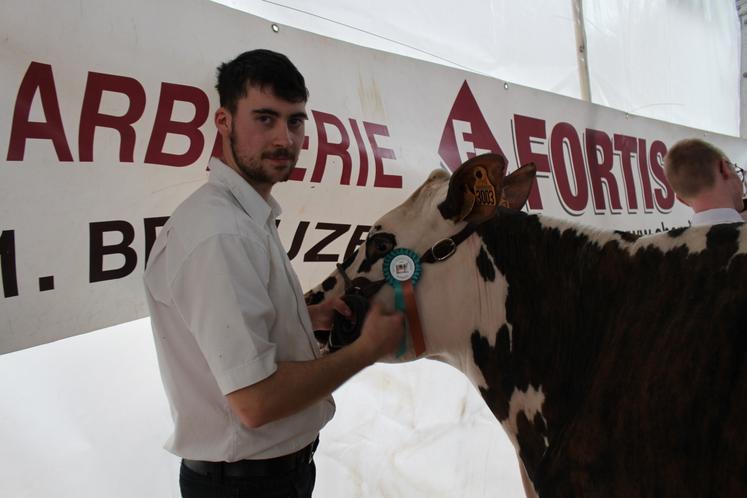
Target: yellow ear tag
x=484 y=190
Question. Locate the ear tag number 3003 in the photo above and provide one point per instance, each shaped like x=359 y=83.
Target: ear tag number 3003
x=484 y=191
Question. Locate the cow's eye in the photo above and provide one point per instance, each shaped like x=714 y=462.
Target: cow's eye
x=379 y=245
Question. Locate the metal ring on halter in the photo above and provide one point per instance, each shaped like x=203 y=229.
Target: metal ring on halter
x=451 y=249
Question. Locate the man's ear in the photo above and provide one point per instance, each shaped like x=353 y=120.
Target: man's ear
x=223 y=120
x=517 y=186
x=724 y=169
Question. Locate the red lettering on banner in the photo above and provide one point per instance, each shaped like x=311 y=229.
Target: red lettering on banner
x=90 y=117
x=600 y=170
x=325 y=148
x=626 y=147
x=362 y=156
x=564 y=138
x=529 y=130
x=648 y=197
x=664 y=194
x=381 y=179
x=579 y=171
x=38 y=77
x=466 y=133
x=324 y=122
x=163 y=125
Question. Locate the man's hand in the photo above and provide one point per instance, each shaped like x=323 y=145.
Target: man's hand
x=381 y=333
x=322 y=314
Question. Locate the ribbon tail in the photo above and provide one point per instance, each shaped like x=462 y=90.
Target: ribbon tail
x=413 y=317
x=399 y=304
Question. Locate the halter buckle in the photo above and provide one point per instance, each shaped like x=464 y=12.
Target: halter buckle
x=443 y=249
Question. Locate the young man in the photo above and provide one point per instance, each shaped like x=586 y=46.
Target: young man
x=248 y=390
x=704 y=179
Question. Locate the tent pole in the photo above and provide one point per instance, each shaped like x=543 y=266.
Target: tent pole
x=742 y=13
x=581 y=58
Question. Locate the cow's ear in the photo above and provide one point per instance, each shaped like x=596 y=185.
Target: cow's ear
x=517 y=186
x=474 y=188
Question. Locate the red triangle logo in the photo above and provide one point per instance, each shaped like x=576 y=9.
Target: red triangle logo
x=466 y=133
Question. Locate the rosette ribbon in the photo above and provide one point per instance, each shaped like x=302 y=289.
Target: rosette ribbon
x=402 y=269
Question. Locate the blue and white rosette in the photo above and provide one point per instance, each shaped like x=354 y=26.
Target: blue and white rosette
x=402 y=270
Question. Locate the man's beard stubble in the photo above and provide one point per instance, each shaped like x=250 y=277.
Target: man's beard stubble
x=253 y=169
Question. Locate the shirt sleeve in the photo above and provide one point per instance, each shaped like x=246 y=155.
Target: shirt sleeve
x=220 y=290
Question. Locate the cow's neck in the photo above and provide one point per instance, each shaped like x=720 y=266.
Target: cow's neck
x=557 y=283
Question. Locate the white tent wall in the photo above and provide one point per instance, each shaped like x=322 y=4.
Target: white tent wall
x=674 y=60
x=530 y=43
x=678 y=61
x=86 y=416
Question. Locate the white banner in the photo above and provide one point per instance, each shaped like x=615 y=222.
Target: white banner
x=108 y=125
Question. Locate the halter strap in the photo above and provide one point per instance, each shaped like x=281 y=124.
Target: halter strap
x=444 y=248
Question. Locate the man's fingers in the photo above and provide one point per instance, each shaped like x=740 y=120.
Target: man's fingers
x=339 y=306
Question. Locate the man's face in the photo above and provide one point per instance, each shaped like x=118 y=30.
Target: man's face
x=265 y=134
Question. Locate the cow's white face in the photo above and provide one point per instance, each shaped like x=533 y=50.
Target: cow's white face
x=453 y=298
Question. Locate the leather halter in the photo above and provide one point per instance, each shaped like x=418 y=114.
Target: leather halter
x=445 y=248
x=440 y=251
x=359 y=291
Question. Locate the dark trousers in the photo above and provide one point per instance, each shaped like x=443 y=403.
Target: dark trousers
x=298 y=483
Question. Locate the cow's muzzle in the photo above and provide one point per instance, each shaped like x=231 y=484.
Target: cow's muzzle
x=358 y=293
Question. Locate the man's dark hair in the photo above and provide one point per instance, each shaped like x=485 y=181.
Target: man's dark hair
x=261 y=69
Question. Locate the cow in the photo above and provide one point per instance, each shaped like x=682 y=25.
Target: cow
x=617 y=365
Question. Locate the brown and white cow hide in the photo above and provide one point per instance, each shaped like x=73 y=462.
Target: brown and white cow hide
x=617 y=365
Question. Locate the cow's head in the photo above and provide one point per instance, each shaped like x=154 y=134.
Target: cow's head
x=437 y=223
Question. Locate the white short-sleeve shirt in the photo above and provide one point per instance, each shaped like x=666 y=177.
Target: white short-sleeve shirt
x=226 y=306
x=716 y=216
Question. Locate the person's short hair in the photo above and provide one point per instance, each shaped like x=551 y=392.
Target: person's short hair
x=689 y=166
x=261 y=69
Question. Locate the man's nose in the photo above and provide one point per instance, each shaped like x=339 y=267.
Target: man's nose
x=283 y=136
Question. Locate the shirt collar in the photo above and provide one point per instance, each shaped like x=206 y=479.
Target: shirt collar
x=254 y=204
x=715 y=216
